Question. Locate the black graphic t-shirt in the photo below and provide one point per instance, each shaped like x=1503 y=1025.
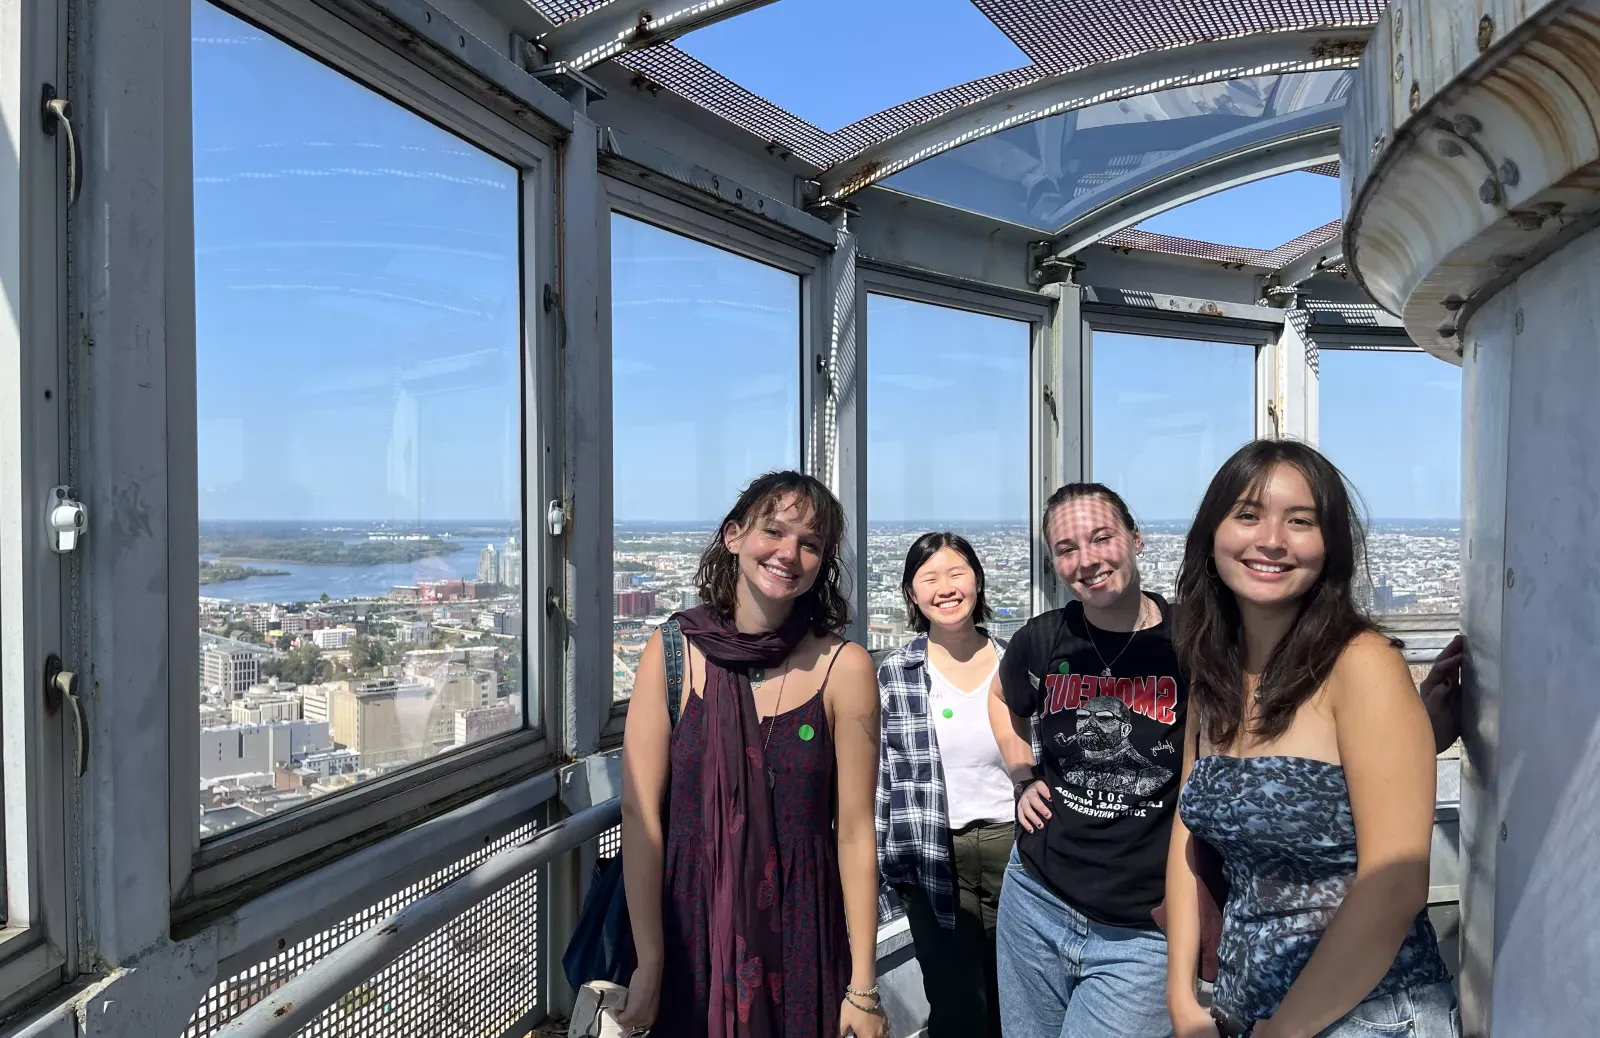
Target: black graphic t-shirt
x=1113 y=750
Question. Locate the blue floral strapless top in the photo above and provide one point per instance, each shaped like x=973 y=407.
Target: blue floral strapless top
x=1288 y=840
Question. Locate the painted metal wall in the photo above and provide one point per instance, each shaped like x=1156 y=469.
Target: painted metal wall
x=1537 y=762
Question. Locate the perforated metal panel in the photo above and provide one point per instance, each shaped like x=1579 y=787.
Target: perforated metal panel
x=477 y=977
x=609 y=843
x=1059 y=34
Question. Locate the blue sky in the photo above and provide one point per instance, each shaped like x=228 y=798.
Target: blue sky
x=358 y=316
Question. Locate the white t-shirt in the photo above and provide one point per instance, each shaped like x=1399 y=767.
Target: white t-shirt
x=977 y=787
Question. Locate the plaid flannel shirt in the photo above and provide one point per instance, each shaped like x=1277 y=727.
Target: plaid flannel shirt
x=912 y=808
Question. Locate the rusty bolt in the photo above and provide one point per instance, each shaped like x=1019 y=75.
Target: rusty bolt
x=1446 y=331
x=1399 y=67
x=1511 y=577
x=1517 y=322
x=1465 y=125
x=1485 y=33
x=1453 y=302
x=1503 y=833
x=1377 y=144
x=283 y=1010
x=1416 y=96
x=1509 y=174
x=1489 y=191
x=1399 y=24
x=1450 y=149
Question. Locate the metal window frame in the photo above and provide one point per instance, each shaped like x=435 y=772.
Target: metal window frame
x=686 y=216
x=918 y=286
x=210 y=876
x=1235 y=330
x=38 y=941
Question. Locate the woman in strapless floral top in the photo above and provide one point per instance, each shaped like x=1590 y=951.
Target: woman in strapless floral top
x=1309 y=769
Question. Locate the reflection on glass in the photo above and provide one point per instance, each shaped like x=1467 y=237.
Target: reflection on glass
x=705 y=367
x=360 y=472
x=1167 y=413
x=1046 y=173
x=1391 y=421
x=947 y=449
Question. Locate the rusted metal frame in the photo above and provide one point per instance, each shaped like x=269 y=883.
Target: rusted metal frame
x=303 y=998
x=627 y=25
x=1175 y=183
x=1209 y=62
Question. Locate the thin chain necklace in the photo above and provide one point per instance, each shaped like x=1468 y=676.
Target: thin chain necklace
x=772 y=722
x=1138 y=625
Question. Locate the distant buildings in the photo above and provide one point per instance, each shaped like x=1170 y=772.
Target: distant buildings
x=488 y=565
x=510 y=564
x=633 y=603
x=228 y=666
x=234 y=750
x=333 y=638
x=384 y=721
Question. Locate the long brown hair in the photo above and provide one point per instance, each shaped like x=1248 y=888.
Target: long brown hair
x=1209 y=638
x=825 y=605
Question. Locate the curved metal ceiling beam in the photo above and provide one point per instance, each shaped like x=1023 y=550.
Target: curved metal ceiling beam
x=627 y=25
x=1295 y=51
x=1172 y=184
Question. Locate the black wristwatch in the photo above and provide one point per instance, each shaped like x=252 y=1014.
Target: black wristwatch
x=1019 y=788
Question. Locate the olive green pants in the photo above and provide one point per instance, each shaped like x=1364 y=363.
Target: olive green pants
x=958 y=971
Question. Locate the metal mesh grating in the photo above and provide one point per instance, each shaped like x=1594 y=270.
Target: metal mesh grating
x=1326 y=169
x=1131 y=238
x=609 y=843
x=1059 y=34
x=1293 y=249
x=477 y=976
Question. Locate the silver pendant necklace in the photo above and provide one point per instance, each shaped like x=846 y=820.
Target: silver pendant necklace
x=1138 y=625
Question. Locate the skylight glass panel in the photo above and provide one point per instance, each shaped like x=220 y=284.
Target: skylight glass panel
x=1049 y=173
x=832 y=62
x=1259 y=215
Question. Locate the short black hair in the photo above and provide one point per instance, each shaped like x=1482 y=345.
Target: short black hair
x=925 y=548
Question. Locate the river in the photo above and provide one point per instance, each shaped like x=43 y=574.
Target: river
x=305 y=583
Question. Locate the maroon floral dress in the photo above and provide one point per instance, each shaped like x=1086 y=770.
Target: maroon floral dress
x=816 y=957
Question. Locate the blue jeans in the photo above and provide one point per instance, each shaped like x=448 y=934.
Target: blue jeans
x=1063 y=976
x=1423 y=1012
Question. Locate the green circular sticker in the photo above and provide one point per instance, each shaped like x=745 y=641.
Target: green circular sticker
x=1065 y=668
x=807 y=733
x=949 y=713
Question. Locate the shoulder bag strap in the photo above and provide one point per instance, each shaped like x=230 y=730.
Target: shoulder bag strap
x=672 y=654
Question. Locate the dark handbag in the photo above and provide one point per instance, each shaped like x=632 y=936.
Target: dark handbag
x=1207 y=866
x=601 y=947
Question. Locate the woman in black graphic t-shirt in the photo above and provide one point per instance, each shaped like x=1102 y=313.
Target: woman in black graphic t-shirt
x=1077 y=948
x=1078 y=952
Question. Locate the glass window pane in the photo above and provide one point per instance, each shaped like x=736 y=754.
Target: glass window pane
x=1167 y=413
x=1262 y=214
x=705 y=369
x=1047 y=173
x=948 y=449
x=1391 y=421
x=358 y=341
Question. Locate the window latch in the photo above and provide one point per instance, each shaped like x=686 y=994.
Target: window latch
x=57 y=113
x=62 y=686
x=66 y=521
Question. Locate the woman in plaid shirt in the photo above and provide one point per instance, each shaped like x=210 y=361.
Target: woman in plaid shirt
x=944 y=798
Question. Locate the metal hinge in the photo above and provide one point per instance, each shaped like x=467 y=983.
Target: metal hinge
x=62 y=685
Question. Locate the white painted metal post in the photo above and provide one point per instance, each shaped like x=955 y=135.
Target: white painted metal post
x=586 y=363
x=1061 y=429
x=838 y=445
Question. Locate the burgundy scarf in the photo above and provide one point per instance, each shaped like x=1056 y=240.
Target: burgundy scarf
x=741 y=858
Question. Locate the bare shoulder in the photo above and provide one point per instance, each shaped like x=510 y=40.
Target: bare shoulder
x=1369 y=668
x=852 y=676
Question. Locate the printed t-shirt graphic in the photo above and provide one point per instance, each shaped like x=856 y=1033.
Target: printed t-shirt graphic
x=1112 y=753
